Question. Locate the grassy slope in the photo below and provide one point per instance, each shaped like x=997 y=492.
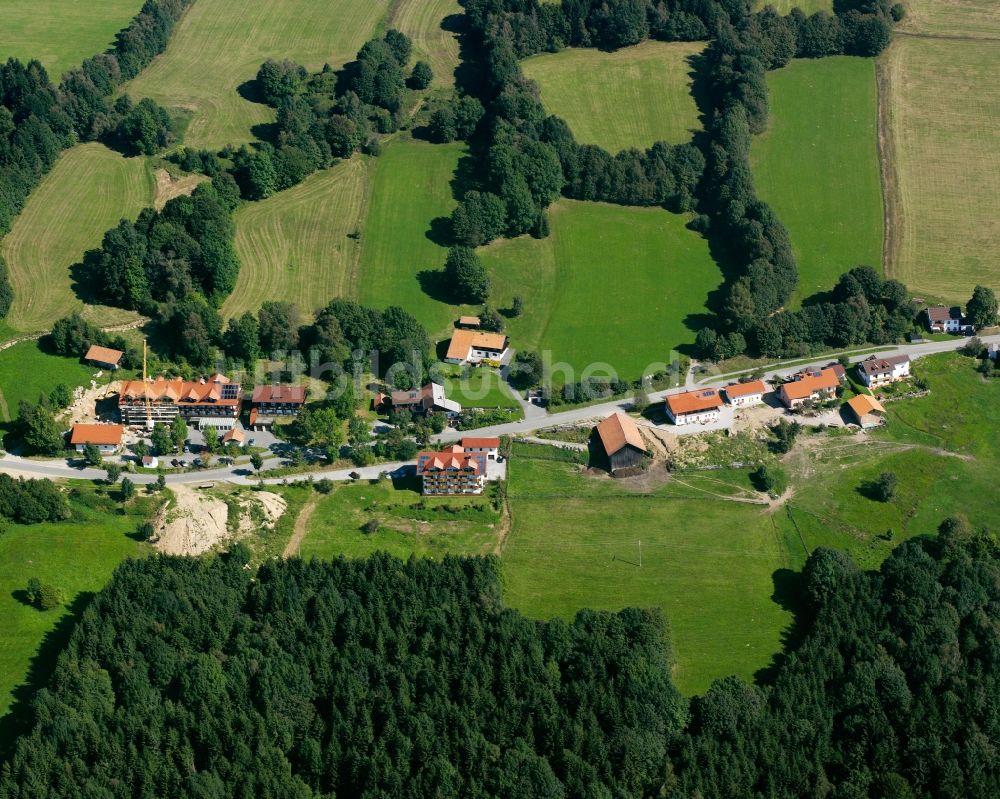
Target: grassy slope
x=610 y=284
x=708 y=564
x=944 y=127
x=335 y=527
x=430 y=25
x=295 y=245
x=26 y=372
x=86 y=193
x=817 y=165
x=61 y=33
x=76 y=556
x=411 y=188
x=629 y=98
x=220 y=44
x=785 y=6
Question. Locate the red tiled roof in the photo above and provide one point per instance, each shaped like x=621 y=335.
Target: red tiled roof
x=745 y=389
x=809 y=383
x=279 y=393
x=103 y=355
x=177 y=390
x=704 y=399
x=618 y=430
x=480 y=443
x=452 y=458
x=464 y=340
x=97 y=434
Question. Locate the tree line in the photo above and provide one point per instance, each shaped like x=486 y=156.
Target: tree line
x=366 y=678
x=374 y=677
x=38 y=119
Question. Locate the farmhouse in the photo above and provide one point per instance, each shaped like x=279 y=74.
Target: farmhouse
x=622 y=442
x=214 y=402
x=106 y=437
x=866 y=410
x=474 y=346
x=104 y=357
x=875 y=371
x=490 y=447
x=743 y=395
x=701 y=406
x=429 y=399
x=452 y=471
x=941 y=319
x=810 y=386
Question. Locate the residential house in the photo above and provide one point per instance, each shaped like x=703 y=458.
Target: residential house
x=701 y=405
x=104 y=357
x=813 y=385
x=866 y=410
x=490 y=447
x=214 y=402
x=743 y=395
x=941 y=319
x=452 y=471
x=475 y=346
x=622 y=442
x=428 y=399
x=106 y=437
x=875 y=371
x=269 y=402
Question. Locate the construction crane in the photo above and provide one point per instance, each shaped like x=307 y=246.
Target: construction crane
x=145 y=390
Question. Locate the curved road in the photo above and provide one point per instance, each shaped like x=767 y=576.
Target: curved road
x=242 y=474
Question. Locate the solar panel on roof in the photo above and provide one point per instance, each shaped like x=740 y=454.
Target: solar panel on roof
x=230 y=391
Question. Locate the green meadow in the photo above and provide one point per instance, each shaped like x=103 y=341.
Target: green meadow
x=817 y=165
x=26 y=372
x=631 y=97
x=61 y=33
x=615 y=285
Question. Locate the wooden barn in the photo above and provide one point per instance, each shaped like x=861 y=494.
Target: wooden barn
x=622 y=442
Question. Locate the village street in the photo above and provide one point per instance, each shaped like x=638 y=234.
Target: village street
x=537 y=420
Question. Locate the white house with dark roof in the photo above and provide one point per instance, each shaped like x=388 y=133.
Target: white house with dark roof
x=875 y=371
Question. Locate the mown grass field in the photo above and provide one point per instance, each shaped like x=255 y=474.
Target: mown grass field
x=76 y=556
x=411 y=187
x=26 y=372
x=220 y=45
x=709 y=564
x=87 y=192
x=629 y=98
x=622 y=286
x=785 y=6
x=481 y=388
x=61 y=33
x=976 y=19
x=942 y=106
x=297 y=245
x=335 y=527
x=818 y=166
x=431 y=25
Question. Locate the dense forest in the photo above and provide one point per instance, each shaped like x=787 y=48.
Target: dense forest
x=378 y=678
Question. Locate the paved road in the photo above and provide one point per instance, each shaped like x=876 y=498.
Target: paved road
x=242 y=474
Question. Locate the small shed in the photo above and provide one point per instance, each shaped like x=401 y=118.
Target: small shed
x=622 y=442
x=105 y=357
x=866 y=410
x=470 y=322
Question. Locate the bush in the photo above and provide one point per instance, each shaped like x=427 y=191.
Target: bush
x=421 y=75
x=370 y=527
x=324 y=486
x=43 y=596
x=883 y=488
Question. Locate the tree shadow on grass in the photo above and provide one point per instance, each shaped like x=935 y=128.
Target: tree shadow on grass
x=440 y=232
x=434 y=285
x=788 y=594
x=83 y=275
x=40 y=671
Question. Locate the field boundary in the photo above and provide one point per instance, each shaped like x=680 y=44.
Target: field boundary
x=888 y=171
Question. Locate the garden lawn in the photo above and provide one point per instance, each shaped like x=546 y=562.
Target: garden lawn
x=76 y=556
x=412 y=188
x=219 y=45
x=817 y=165
x=61 y=33
x=88 y=191
x=302 y=245
x=481 y=388
x=615 y=285
x=707 y=563
x=335 y=527
x=632 y=97
x=26 y=372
